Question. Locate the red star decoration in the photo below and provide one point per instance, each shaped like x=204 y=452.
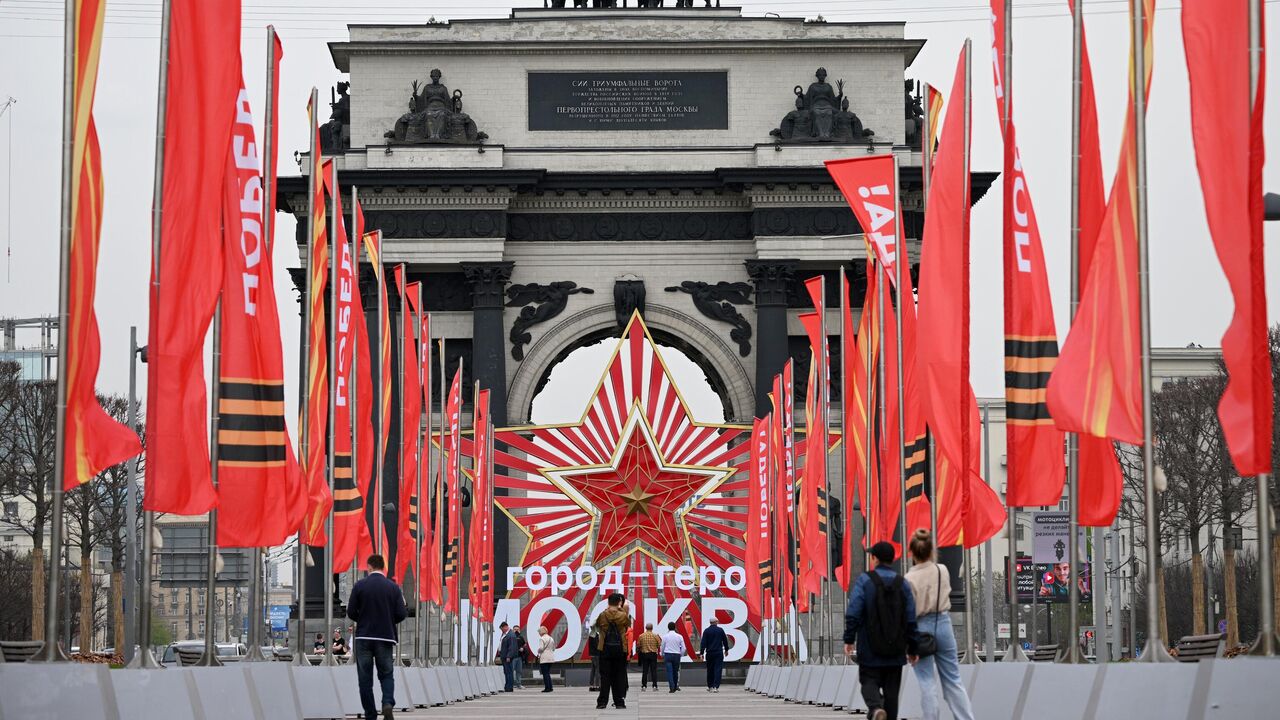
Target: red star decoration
x=638 y=499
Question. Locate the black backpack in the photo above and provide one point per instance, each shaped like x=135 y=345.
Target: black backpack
x=613 y=647
x=887 y=617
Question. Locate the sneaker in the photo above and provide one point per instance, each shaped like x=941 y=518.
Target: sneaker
x=878 y=714
x=388 y=712
x=620 y=706
x=715 y=690
x=601 y=707
x=671 y=690
x=642 y=688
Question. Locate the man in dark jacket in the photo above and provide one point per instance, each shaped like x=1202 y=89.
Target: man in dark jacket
x=714 y=645
x=881 y=619
x=377 y=606
x=508 y=650
x=613 y=648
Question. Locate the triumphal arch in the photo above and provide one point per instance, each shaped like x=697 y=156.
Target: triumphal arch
x=550 y=174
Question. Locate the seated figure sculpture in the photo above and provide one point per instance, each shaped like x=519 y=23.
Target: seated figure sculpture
x=435 y=116
x=822 y=115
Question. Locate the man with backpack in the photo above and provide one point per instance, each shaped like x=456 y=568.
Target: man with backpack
x=881 y=620
x=612 y=646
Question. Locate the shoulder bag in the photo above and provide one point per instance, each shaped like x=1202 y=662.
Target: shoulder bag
x=927 y=642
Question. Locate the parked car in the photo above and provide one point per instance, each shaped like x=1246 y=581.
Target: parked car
x=227 y=652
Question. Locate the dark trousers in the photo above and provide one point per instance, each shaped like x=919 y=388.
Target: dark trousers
x=508 y=675
x=715 y=666
x=368 y=654
x=673 y=669
x=613 y=676
x=649 y=669
x=880 y=685
x=546 y=676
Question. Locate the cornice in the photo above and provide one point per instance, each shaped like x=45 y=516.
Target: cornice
x=600 y=202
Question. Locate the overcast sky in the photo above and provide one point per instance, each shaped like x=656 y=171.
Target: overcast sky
x=1190 y=301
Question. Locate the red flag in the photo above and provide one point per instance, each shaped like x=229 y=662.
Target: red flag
x=94 y=440
x=365 y=448
x=782 y=502
x=869 y=184
x=411 y=424
x=373 y=248
x=480 y=515
x=934 y=111
x=258 y=475
x=453 y=471
x=1100 y=479
x=856 y=413
x=317 y=410
x=1034 y=444
x=1229 y=156
x=759 y=565
x=203 y=82
x=968 y=511
x=1096 y=388
x=814 y=485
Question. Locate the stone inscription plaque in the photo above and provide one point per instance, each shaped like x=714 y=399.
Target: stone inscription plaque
x=632 y=100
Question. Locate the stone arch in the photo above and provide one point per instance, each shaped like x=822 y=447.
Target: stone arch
x=725 y=370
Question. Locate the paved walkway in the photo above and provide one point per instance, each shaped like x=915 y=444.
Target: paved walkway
x=575 y=703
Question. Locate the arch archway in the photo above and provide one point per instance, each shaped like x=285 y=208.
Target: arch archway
x=723 y=368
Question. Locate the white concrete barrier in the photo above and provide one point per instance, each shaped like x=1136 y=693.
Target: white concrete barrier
x=997 y=688
x=272 y=687
x=1060 y=692
x=431 y=680
x=1242 y=687
x=830 y=685
x=320 y=690
x=56 y=690
x=792 y=688
x=161 y=694
x=1136 y=689
x=222 y=693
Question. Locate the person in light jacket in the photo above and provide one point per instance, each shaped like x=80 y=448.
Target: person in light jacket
x=546 y=656
x=931 y=586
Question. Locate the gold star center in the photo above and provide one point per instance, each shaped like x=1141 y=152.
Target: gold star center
x=637 y=500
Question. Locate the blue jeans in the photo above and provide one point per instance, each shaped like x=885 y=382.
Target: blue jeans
x=507 y=667
x=715 y=665
x=673 y=669
x=369 y=653
x=948 y=669
x=517 y=673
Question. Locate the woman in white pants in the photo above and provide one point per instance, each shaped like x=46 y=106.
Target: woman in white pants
x=931 y=588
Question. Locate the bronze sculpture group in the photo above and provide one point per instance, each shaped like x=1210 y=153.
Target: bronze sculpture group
x=822 y=115
x=435 y=116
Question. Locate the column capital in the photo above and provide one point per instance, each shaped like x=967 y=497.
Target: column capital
x=771 y=278
x=488 y=281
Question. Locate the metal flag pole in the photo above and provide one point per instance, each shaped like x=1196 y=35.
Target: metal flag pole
x=847 y=511
x=210 y=656
x=1155 y=650
x=1266 y=643
x=52 y=650
x=256 y=584
x=402 y=285
x=1072 y=654
x=988 y=611
x=334 y=254
x=901 y=256
x=824 y=406
x=458 y=562
x=419 y=605
x=477 y=456
x=134 y=632
x=425 y=502
x=969 y=657
x=379 y=444
x=304 y=551
x=353 y=385
x=871 y=345
x=442 y=493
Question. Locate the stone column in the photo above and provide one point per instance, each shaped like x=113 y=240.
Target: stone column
x=488 y=282
x=771 y=279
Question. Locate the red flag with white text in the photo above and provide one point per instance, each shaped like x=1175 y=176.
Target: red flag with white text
x=758 y=535
x=410 y=517
x=316 y=409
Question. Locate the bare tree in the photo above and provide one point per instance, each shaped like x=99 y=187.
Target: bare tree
x=29 y=411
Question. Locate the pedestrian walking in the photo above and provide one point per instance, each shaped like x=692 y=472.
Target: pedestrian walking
x=546 y=656
x=517 y=664
x=593 y=680
x=673 y=651
x=611 y=626
x=647 y=647
x=881 y=620
x=714 y=645
x=931 y=588
x=377 y=607
x=507 y=649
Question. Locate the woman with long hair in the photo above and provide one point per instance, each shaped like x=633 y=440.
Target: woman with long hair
x=931 y=587
x=546 y=656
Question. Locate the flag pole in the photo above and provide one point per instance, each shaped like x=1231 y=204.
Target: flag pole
x=210 y=656
x=1266 y=644
x=969 y=657
x=402 y=285
x=424 y=346
x=424 y=502
x=379 y=458
x=824 y=400
x=926 y=170
x=871 y=345
x=304 y=551
x=52 y=650
x=988 y=601
x=846 y=518
x=353 y=383
x=256 y=583
x=901 y=255
x=442 y=490
x=457 y=615
x=1072 y=654
x=335 y=253
x=1155 y=650
x=130 y=595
